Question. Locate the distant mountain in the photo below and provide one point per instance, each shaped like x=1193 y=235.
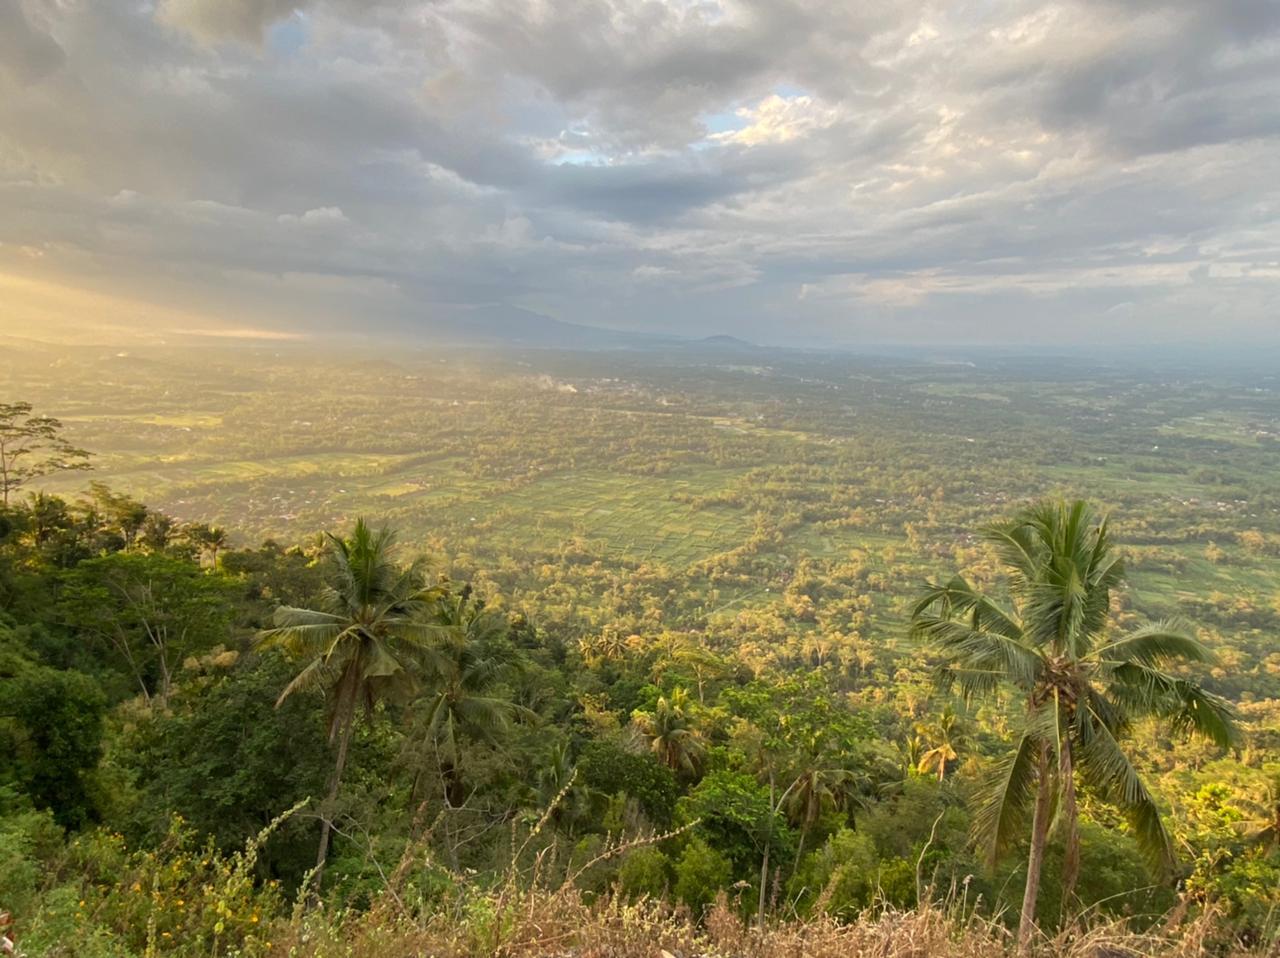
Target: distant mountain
x=511 y=325
x=725 y=340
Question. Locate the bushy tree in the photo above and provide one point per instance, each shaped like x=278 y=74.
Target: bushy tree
x=701 y=873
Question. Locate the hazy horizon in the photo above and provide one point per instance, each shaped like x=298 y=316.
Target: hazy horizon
x=1020 y=173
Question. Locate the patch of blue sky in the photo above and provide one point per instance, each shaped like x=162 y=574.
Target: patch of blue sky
x=288 y=36
x=581 y=158
x=789 y=91
x=723 y=122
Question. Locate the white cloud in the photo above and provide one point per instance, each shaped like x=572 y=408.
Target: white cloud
x=320 y=216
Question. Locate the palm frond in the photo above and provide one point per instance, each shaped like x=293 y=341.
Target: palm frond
x=1105 y=767
x=1157 y=643
x=967 y=648
x=312 y=675
x=1010 y=791
x=1145 y=690
x=1016 y=548
x=958 y=600
x=302 y=639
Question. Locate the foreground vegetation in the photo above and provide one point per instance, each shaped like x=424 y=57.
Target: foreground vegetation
x=490 y=789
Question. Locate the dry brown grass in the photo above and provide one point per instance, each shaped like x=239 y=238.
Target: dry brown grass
x=543 y=925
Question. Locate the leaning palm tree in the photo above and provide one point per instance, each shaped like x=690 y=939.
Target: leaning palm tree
x=361 y=644
x=1081 y=687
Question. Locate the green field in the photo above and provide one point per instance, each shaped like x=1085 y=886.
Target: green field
x=658 y=487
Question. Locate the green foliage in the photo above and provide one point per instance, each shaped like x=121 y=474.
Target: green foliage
x=227 y=761
x=737 y=818
x=644 y=872
x=28 y=840
x=842 y=875
x=609 y=769
x=55 y=721
x=701 y=873
x=1117 y=880
x=146 y=613
x=179 y=898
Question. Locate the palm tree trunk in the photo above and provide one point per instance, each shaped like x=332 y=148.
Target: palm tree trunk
x=1035 y=861
x=764 y=862
x=764 y=882
x=1071 y=827
x=804 y=832
x=326 y=821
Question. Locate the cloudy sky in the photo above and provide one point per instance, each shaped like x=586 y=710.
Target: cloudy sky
x=784 y=170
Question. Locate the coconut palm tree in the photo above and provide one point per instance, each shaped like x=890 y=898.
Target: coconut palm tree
x=671 y=734
x=210 y=540
x=946 y=736
x=466 y=665
x=814 y=790
x=1080 y=686
x=362 y=643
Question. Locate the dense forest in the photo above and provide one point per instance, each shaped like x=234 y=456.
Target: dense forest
x=859 y=678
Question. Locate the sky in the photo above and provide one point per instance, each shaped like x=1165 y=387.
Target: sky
x=787 y=171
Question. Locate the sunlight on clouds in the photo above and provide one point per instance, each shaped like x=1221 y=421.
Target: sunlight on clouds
x=29 y=306
x=778 y=119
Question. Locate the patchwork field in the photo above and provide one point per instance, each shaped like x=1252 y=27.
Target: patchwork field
x=799 y=496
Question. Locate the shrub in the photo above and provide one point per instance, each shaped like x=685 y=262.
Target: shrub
x=643 y=873
x=701 y=873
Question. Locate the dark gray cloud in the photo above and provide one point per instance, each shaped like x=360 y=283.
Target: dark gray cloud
x=784 y=169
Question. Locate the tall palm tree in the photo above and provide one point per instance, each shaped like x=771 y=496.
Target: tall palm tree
x=466 y=665
x=671 y=734
x=1081 y=687
x=361 y=644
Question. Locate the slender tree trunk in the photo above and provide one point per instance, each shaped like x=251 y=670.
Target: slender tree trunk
x=764 y=882
x=1071 y=826
x=344 y=739
x=764 y=862
x=1035 y=861
x=804 y=832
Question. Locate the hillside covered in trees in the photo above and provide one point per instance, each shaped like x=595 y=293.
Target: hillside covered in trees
x=242 y=749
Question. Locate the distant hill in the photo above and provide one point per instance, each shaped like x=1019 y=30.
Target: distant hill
x=726 y=341
x=511 y=325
